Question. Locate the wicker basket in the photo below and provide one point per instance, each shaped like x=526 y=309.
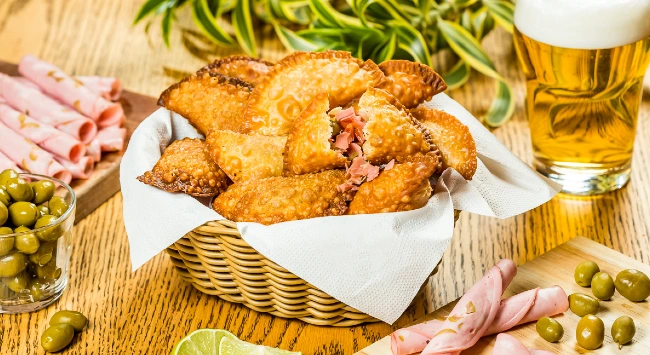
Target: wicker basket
x=217 y=261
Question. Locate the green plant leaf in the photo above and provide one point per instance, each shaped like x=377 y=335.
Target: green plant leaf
x=503 y=12
x=467 y=47
x=325 y=13
x=458 y=75
x=224 y=6
x=147 y=8
x=411 y=41
x=243 y=24
x=292 y=41
x=166 y=25
x=502 y=107
x=387 y=50
x=466 y=21
x=459 y=4
x=207 y=23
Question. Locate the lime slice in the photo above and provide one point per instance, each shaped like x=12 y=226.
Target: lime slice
x=234 y=346
x=201 y=342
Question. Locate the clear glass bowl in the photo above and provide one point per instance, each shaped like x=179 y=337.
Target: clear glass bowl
x=45 y=275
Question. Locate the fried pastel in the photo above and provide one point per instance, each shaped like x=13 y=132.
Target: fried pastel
x=405 y=187
x=208 y=101
x=411 y=83
x=294 y=81
x=250 y=70
x=390 y=131
x=185 y=166
x=281 y=199
x=308 y=148
x=453 y=139
x=246 y=157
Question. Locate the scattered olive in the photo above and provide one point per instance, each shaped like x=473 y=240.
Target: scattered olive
x=48 y=234
x=12 y=263
x=57 y=337
x=43 y=191
x=549 y=329
x=583 y=305
x=633 y=285
x=584 y=272
x=23 y=213
x=26 y=242
x=57 y=206
x=4 y=213
x=602 y=286
x=590 y=332
x=19 y=190
x=6 y=176
x=18 y=282
x=77 y=320
x=623 y=330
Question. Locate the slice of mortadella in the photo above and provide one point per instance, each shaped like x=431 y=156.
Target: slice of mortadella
x=41 y=107
x=108 y=88
x=7 y=163
x=71 y=91
x=506 y=344
x=46 y=136
x=94 y=150
x=31 y=157
x=111 y=139
x=528 y=306
x=80 y=170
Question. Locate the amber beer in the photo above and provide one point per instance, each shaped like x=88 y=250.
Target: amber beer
x=583 y=91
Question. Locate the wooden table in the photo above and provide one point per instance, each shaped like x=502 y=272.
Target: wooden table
x=149 y=310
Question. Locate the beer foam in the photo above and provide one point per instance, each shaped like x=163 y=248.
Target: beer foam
x=584 y=24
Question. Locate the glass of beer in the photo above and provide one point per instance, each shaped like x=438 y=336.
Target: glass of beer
x=584 y=63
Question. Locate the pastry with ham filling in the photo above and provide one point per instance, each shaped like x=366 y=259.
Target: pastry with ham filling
x=247 y=69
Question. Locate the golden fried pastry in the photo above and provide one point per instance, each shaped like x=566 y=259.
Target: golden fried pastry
x=208 y=101
x=246 y=157
x=250 y=70
x=281 y=199
x=405 y=187
x=390 y=131
x=294 y=81
x=411 y=83
x=185 y=166
x=308 y=148
x=453 y=138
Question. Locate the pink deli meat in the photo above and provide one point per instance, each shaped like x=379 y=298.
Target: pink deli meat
x=46 y=136
x=108 y=88
x=6 y=163
x=94 y=150
x=46 y=110
x=71 y=91
x=111 y=139
x=508 y=345
x=80 y=170
x=29 y=156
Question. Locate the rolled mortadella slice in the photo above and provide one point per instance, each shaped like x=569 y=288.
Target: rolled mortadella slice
x=44 y=135
x=108 y=88
x=70 y=91
x=111 y=139
x=506 y=344
x=26 y=82
x=80 y=170
x=30 y=157
x=41 y=107
x=94 y=150
x=6 y=163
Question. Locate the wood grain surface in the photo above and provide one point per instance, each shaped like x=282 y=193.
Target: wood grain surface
x=147 y=311
x=556 y=268
x=105 y=179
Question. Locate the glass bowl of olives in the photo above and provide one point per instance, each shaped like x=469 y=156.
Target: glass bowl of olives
x=36 y=218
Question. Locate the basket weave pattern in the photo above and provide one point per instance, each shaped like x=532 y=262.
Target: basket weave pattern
x=217 y=261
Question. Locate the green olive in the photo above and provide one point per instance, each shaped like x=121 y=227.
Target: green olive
x=47 y=272
x=77 y=320
x=633 y=285
x=57 y=337
x=51 y=233
x=585 y=271
x=4 y=197
x=43 y=210
x=37 y=289
x=12 y=263
x=590 y=332
x=57 y=206
x=44 y=254
x=43 y=191
x=27 y=242
x=582 y=304
x=6 y=243
x=18 y=282
x=549 y=329
x=7 y=176
x=4 y=213
x=602 y=286
x=23 y=213
x=623 y=330
x=19 y=190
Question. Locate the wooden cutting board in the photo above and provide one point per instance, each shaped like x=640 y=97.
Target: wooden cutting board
x=105 y=180
x=556 y=268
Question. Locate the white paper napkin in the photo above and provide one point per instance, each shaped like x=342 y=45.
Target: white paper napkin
x=374 y=263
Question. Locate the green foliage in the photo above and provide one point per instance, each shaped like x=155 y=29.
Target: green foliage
x=369 y=29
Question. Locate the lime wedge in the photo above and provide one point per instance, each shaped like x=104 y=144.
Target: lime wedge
x=201 y=342
x=234 y=346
